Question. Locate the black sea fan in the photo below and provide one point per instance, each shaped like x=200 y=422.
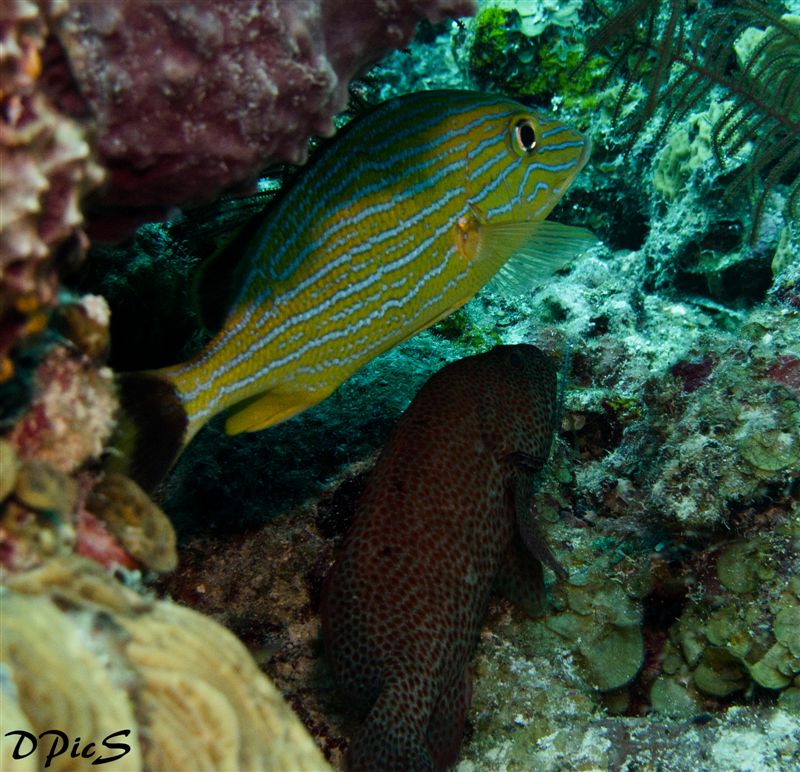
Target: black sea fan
x=678 y=63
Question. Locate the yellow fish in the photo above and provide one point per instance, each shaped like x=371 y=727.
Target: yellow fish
x=400 y=220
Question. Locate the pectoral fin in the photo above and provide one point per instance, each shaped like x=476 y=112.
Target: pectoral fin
x=528 y=526
x=530 y=252
x=521 y=580
x=270 y=408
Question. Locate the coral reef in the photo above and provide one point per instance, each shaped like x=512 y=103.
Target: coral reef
x=264 y=585
x=741 y=626
x=187 y=100
x=47 y=169
x=82 y=652
x=672 y=497
x=743 y=50
x=55 y=498
x=546 y=44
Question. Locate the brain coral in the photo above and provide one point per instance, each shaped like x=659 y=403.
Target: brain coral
x=189 y=98
x=86 y=654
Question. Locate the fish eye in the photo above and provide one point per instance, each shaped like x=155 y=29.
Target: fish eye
x=524 y=136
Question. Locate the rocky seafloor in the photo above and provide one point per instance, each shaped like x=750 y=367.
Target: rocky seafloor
x=672 y=497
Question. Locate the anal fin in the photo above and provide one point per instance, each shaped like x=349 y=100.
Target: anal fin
x=270 y=408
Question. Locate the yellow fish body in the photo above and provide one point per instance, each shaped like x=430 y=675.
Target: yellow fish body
x=398 y=222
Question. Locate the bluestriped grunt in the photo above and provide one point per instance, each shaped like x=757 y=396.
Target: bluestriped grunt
x=400 y=220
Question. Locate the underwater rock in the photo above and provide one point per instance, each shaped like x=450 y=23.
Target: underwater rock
x=742 y=738
x=733 y=438
x=83 y=652
x=138 y=524
x=47 y=169
x=188 y=99
x=71 y=416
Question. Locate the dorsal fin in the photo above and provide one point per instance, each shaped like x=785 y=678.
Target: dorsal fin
x=219 y=277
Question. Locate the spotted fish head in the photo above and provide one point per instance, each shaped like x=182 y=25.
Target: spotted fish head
x=520 y=162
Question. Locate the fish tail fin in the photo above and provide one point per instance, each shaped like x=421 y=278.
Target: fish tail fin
x=151 y=427
x=386 y=741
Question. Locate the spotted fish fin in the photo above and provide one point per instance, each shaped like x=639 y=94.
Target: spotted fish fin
x=270 y=408
x=528 y=527
x=531 y=251
x=521 y=579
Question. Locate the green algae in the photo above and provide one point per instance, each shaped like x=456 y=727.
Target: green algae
x=538 y=61
x=738 y=566
x=719 y=673
x=615 y=658
x=787 y=628
x=670 y=697
x=727 y=627
x=772 y=451
x=459 y=328
x=776 y=668
x=602 y=623
x=746 y=630
x=790 y=700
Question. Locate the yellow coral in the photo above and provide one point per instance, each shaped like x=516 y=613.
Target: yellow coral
x=91 y=657
x=138 y=524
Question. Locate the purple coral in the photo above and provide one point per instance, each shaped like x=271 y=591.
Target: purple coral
x=190 y=98
x=693 y=373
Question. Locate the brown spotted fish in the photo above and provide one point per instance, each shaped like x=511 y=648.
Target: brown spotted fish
x=445 y=516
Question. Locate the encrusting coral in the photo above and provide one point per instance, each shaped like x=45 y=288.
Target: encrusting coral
x=47 y=167
x=189 y=98
x=82 y=652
